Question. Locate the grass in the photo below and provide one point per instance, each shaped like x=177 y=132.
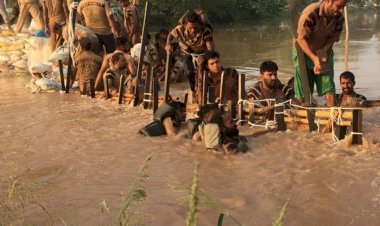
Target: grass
x=128 y=215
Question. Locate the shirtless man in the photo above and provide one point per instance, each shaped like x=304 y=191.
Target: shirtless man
x=122 y=46
x=112 y=76
x=29 y=7
x=56 y=14
x=348 y=97
x=270 y=87
x=194 y=37
x=97 y=16
x=87 y=65
x=131 y=21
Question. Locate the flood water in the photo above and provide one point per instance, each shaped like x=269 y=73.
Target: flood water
x=76 y=152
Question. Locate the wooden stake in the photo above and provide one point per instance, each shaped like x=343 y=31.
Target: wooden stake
x=204 y=88
x=155 y=94
x=241 y=90
x=142 y=53
x=167 y=78
x=357 y=127
x=121 y=89
x=147 y=93
x=61 y=76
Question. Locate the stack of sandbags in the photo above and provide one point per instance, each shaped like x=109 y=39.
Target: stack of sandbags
x=13 y=52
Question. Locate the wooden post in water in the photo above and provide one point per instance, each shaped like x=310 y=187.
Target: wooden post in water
x=340 y=131
x=204 y=88
x=84 y=91
x=155 y=93
x=121 y=89
x=62 y=78
x=142 y=53
x=167 y=78
x=241 y=90
x=347 y=38
x=221 y=91
x=106 y=87
x=147 y=94
x=357 y=127
x=279 y=114
x=70 y=64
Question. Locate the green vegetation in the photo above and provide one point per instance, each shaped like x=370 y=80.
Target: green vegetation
x=128 y=213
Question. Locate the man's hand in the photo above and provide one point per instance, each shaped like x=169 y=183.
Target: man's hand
x=47 y=31
x=168 y=48
x=317 y=66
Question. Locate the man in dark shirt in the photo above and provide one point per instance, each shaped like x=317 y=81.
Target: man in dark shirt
x=348 y=97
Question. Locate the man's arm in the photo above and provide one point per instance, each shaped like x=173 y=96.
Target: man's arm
x=111 y=20
x=66 y=11
x=169 y=47
x=103 y=68
x=210 y=45
x=46 y=18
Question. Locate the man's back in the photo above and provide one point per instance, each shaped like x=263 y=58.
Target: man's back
x=95 y=13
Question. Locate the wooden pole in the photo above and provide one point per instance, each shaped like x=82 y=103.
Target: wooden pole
x=62 y=78
x=167 y=78
x=279 y=114
x=320 y=113
x=357 y=127
x=121 y=89
x=204 y=88
x=221 y=91
x=155 y=94
x=347 y=39
x=70 y=64
x=92 y=87
x=241 y=90
x=300 y=54
x=142 y=53
x=211 y=96
x=147 y=93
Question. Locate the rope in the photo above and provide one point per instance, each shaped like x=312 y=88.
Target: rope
x=146 y=100
x=148 y=94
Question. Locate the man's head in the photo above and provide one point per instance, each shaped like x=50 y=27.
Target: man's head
x=124 y=3
x=119 y=61
x=192 y=23
x=180 y=110
x=122 y=44
x=334 y=7
x=268 y=73
x=347 y=82
x=211 y=61
x=163 y=35
x=85 y=43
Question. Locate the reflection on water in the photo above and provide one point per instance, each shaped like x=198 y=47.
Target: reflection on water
x=245 y=47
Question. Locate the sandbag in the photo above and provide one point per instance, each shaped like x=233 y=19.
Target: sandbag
x=20 y=64
x=48 y=84
x=61 y=53
x=4 y=58
x=154 y=128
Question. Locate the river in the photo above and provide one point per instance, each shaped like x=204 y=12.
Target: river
x=76 y=152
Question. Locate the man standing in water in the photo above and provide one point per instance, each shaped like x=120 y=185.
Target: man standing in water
x=194 y=34
x=319 y=26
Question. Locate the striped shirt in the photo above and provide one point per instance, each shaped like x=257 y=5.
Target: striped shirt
x=196 y=44
x=281 y=91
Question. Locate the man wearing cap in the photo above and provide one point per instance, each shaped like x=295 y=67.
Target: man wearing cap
x=319 y=26
x=56 y=15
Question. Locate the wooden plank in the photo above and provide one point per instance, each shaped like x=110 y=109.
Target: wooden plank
x=142 y=53
x=357 y=127
x=61 y=76
x=241 y=92
x=322 y=57
x=320 y=113
x=167 y=77
x=321 y=121
x=147 y=92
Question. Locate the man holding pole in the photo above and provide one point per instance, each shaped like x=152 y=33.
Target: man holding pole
x=319 y=26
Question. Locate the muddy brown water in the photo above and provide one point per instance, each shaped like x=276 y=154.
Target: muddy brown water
x=75 y=152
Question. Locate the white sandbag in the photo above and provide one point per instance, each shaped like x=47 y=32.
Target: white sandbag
x=39 y=50
x=15 y=57
x=5 y=41
x=33 y=27
x=4 y=58
x=43 y=69
x=61 y=53
x=48 y=84
x=20 y=64
x=136 y=51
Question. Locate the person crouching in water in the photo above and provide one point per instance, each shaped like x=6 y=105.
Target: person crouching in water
x=166 y=120
x=113 y=76
x=218 y=132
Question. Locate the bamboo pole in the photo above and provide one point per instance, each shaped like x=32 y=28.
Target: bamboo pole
x=321 y=113
x=347 y=37
x=320 y=122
